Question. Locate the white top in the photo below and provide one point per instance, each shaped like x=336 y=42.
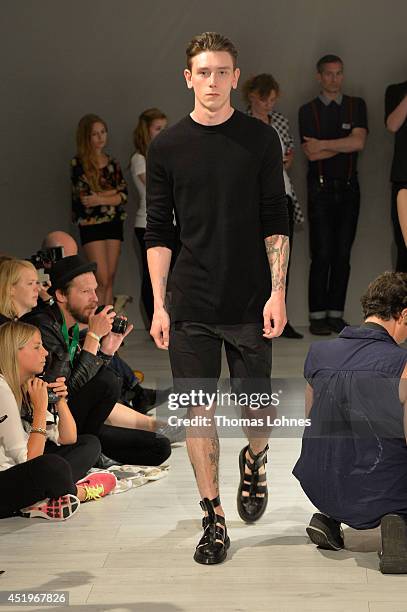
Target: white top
x=13 y=437
x=287 y=182
x=137 y=167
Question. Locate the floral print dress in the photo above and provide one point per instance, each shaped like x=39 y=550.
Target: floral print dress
x=111 y=177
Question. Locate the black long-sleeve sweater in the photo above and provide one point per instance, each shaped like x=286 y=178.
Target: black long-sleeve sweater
x=225 y=183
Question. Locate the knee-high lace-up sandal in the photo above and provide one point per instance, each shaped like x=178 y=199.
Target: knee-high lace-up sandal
x=251 y=507
x=212 y=547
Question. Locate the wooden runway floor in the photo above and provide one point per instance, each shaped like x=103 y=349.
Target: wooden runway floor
x=133 y=551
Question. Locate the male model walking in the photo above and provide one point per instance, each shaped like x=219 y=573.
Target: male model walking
x=222 y=173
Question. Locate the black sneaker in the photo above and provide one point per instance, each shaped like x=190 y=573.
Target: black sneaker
x=325 y=532
x=319 y=327
x=290 y=332
x=146 y=399
x=393 y=556
x=104 y=462
x=336 y=324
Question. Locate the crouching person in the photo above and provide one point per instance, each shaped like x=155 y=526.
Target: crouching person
x=353 y=463
x=40 y=460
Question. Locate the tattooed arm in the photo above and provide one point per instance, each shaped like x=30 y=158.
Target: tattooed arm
x=274 y=314
x=159 y=259
x=275 y=227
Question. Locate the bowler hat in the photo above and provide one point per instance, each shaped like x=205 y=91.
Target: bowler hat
x=68 y=268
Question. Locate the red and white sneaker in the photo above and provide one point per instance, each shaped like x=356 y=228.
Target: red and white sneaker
x=58 y=509
x=97 y=484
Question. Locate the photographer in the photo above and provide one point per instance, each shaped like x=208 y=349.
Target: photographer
x=28 y=471
x=132 y=394
x=93 y=387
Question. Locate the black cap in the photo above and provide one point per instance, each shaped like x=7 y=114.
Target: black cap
x=68 y=268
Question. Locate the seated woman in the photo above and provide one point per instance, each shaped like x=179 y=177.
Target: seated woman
x=33 y=481
x=19 y=288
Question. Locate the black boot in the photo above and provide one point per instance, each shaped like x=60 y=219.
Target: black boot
x=252 y=507
x=213 y=545
x=393 y=556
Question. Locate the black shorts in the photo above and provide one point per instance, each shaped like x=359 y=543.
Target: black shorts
x=195 y=352
x=111 y=230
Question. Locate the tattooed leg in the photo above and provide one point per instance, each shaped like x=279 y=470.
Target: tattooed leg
x=203 y=451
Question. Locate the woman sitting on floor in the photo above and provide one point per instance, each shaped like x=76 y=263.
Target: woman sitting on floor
x=40 y=461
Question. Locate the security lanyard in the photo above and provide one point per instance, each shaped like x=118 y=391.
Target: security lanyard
x=71 y=345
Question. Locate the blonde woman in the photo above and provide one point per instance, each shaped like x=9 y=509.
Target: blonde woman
x=99 y=193
x=19 y=288
x=151 y=122
x=34 y=482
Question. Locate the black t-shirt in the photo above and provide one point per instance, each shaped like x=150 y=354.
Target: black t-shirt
x=225 y=183
x=329 y=122
x=393 y=97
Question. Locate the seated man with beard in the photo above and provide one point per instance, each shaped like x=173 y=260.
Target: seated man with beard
x=93 y=387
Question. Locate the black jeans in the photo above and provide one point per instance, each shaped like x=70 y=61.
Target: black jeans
x=333 y=211
x=134 y=446
x=27 y=483
x=147 y=297
x=401 y=264
x=290 y=207
x=81 y=456
x=92 y=404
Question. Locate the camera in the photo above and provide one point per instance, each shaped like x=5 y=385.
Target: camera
x=53 y=370
x=46 y=257
x=120 y=323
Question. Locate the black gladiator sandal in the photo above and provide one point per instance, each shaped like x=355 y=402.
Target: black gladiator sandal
x=251 y=507
x=213 y=545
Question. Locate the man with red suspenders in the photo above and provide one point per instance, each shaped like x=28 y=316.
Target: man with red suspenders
x=333 y=129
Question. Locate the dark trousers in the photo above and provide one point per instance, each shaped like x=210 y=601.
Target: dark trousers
x=333 y=211
x=33 y=481
x=134 y=446
x=147 y=297
x=290 y=207
x=401 y=264
x=81 y=456
x=92 y=404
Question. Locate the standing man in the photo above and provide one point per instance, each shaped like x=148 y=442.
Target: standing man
x=333 y=129
x=222 y=173
x=396 y=122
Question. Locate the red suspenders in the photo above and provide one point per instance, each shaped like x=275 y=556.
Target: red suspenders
x=318 y=126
